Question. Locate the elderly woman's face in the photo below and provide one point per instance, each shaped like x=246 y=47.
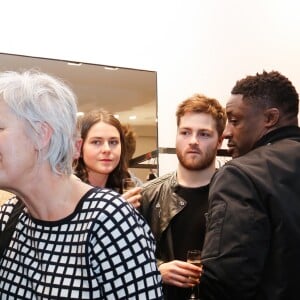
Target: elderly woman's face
x=18 y=157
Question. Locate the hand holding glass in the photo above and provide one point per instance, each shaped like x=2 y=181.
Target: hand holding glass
x=194 y=257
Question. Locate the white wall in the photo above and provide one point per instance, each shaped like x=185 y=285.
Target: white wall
x=195 y=46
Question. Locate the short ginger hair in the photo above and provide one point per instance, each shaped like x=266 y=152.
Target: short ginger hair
x=201 y=104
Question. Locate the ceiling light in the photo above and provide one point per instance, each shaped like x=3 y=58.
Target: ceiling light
x=73 y=63
x=117 y=116
x=111 y=68
x=132 y=117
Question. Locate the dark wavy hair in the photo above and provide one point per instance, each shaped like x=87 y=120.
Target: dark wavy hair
x=130 y=141
x=269 y=89
x=84 y=125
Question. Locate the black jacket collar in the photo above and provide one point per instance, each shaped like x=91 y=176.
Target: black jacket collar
x=287 y=132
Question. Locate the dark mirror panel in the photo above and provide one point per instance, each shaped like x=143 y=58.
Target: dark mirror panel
x=129 y=93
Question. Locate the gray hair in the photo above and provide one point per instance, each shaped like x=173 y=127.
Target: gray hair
x=38 y=98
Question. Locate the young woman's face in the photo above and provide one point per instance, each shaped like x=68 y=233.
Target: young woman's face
x=101 y=149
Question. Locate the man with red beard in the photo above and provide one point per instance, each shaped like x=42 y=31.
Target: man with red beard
x=175 y=204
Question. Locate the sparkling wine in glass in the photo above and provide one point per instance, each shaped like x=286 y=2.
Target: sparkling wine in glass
x=128 y=183
x=194 y=257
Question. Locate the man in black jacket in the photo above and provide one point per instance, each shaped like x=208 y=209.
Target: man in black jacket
x=175 y=204
x=252 y=242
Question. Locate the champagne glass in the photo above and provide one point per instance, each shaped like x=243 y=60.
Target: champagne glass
x=194 y=257
x=127 y=184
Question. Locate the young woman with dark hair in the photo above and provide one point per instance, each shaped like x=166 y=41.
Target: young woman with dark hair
x=102 y=161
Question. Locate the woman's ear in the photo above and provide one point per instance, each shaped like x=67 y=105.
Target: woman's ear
x=44 y=133
x=271 y=117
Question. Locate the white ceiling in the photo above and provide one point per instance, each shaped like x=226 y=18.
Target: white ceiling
x=122 y=91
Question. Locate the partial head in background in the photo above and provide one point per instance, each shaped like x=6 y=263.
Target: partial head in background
x=259 y=104
x=45 y=110
x=200 y=121
x=130 y=142
x=102 y=159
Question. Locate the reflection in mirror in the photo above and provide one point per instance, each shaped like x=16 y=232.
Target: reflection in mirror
x=130 y=94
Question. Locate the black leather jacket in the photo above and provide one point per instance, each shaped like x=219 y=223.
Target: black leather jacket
x=159 y=213
x=252 y=242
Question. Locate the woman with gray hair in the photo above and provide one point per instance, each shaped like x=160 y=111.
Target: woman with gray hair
x=60 y=237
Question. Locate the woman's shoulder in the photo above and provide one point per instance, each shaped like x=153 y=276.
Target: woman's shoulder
x=101 y=194
x=103 y=200
x=102 y=204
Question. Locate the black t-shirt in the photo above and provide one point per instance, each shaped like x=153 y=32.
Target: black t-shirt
x=188 y=230
x=188 y=226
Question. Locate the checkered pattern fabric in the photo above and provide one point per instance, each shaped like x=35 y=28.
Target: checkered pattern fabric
x=103 y=250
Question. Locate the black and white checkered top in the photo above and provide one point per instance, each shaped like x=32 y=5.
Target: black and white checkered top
x=103 y=250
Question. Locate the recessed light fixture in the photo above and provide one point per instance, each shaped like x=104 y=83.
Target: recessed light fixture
x=132 y=117
x=111 y=68
x=73 y=63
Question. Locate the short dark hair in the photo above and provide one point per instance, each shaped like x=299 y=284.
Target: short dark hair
x=269 y=89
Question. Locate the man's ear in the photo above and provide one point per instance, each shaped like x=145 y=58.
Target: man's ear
x=44 y=133
x=271 y=117
x=220 y=141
